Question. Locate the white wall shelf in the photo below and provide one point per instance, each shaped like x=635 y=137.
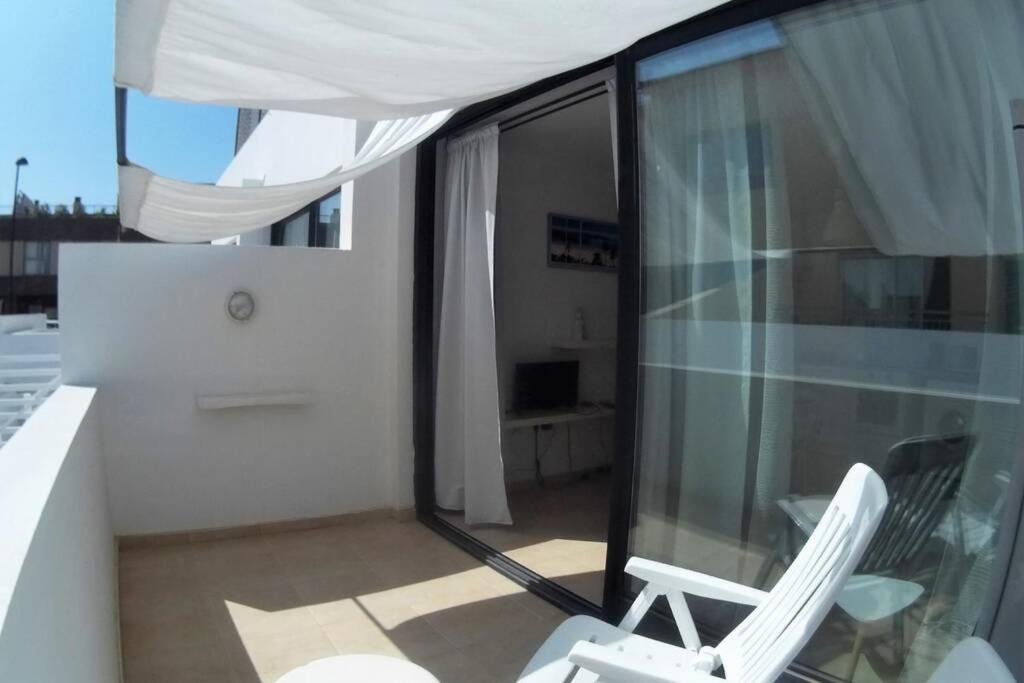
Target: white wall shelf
x=227 y=401
x=554 y=417
x=584 y=345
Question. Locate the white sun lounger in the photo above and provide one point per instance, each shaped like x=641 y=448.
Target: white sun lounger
x=584 y=649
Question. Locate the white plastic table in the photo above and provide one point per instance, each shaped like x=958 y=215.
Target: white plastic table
x=358 y=669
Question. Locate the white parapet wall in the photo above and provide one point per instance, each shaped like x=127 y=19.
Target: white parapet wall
x=58 y=619
x=207 y=422
x=22 y=322
x=33 y=342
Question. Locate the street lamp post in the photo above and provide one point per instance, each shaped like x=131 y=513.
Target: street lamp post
x=22 y=161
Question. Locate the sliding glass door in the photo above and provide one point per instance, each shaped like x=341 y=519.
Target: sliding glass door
x=831 y=238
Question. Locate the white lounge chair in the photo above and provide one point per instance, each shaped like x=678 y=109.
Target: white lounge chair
x=583 y=649
x=922 y=477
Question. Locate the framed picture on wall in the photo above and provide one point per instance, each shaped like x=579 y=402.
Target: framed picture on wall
x=575 y=242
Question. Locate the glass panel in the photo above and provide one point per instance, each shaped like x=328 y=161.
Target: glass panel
x=328 y=224
x=296 y=231
x=37 y=258
x=831 y=224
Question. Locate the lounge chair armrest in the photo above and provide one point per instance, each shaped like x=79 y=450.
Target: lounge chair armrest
x=670 y=578
x=611 y=665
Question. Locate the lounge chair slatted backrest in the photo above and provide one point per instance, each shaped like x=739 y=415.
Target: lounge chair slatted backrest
x=584 y=649
x=760 y=648
x=922 y=476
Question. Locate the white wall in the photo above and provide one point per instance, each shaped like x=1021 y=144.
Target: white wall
x=146 y=325
x=383 y=208
x=256 y=238
x=558 y=164
x=291 y=147
x=58 y=565
x=47 y=342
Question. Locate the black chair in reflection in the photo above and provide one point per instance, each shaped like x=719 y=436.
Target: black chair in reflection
x=922 y=476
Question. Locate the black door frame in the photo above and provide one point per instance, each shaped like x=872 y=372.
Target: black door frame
x=424 y=343
x=616 y=598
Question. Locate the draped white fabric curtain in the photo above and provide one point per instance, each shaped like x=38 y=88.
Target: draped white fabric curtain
x=177 y=211
x=390 y=60
x=469 y=473
x=915 y=99
x=370 y=60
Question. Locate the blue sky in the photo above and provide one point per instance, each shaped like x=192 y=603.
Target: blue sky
x=57 y=109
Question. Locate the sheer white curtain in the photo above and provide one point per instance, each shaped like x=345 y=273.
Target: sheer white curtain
x=690 y=211
x=469 y=472
x=914 y=99
x=713 y=188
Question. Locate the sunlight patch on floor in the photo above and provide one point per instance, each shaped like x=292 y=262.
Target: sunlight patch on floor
x=251 y=609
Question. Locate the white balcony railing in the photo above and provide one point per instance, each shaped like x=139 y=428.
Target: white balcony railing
x=26 y=380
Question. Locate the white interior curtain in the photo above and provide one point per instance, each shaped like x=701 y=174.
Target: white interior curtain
x=469 y=472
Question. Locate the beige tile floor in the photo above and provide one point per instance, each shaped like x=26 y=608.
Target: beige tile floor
x=251 y=609
x=560 y=532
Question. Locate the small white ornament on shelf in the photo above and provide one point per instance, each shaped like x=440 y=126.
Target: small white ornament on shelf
x=579 y=326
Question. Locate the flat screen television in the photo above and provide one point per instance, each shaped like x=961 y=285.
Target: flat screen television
x=547 y=386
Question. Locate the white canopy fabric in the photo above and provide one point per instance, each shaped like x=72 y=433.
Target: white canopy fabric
x=177 y=211
x=406 y=63
x=370 y=60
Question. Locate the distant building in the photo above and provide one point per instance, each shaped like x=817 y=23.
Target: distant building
x=38 y=232
x=245 y=124
x=24 y=206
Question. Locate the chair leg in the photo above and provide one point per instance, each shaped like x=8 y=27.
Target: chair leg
x=901 y=635
x=858 y=645
x=765 y=572
x=778 y=555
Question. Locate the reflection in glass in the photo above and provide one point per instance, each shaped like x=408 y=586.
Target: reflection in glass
x=831 y=221
x=37 y=258
x=296 y=231
x=328 y=224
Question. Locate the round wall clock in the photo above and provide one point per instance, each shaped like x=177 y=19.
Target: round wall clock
x=240 y=306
